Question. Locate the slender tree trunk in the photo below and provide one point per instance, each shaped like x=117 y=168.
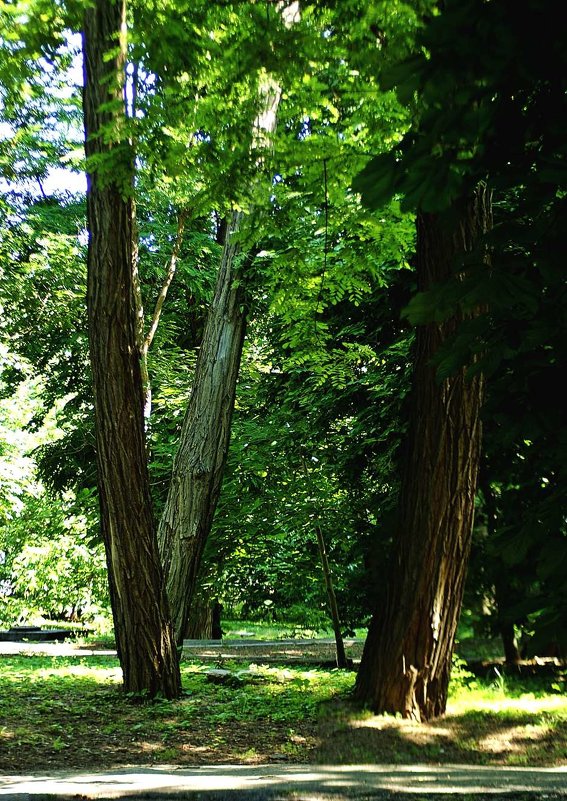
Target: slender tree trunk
x=147 y=339
x=141 y=617
x=503 y=593
x=342 y=661
x=505 y=598
x=511 y=651
x=406 y=663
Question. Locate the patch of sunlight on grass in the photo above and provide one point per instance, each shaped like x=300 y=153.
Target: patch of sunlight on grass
x=101 y=675
x=513 y=739
x=409 y=733
x=481 y=724
x=408 y=727
x=149 y=748
x=247 y=629
x=189 y=748
x=498 y=702
x=41 y=670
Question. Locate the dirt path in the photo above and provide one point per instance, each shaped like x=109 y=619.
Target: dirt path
x=304 y=651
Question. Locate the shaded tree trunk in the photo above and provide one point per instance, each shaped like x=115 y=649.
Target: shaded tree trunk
x=204 y=622
x=342 y=661
x=407 y=657
x=506 y=598
x=141 y=617
x=511 y=651
x=504 y=594
x=200 y=622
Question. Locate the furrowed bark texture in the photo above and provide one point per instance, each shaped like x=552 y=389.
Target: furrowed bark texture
x=141 y=617
x=407 y=658
x=199 y=463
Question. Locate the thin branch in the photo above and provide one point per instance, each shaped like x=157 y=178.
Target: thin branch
x=41 y=189
x=342 y=661
x=182 y=219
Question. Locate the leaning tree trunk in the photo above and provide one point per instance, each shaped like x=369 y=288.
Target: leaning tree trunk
x=141 y=617
x=203 y=446
x=406 y=663
x=200 y=460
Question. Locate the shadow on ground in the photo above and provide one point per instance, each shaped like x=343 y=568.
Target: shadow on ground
x=472 y=737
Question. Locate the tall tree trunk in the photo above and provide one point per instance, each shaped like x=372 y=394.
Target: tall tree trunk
x=200 y=460
x=141 y=617
x=203 y=446
x=406 y=663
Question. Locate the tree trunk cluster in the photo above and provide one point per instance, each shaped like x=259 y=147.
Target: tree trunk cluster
x=406 y=663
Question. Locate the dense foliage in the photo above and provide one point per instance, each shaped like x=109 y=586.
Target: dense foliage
x=407 y=104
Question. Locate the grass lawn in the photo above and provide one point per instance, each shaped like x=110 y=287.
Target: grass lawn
x=69 y=712
x=236 y=629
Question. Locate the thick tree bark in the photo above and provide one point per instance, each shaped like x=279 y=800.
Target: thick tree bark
x=141 y=617
x=407 y=658
x=203 y=446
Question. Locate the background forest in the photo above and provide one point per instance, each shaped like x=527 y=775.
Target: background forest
x=384 y=109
